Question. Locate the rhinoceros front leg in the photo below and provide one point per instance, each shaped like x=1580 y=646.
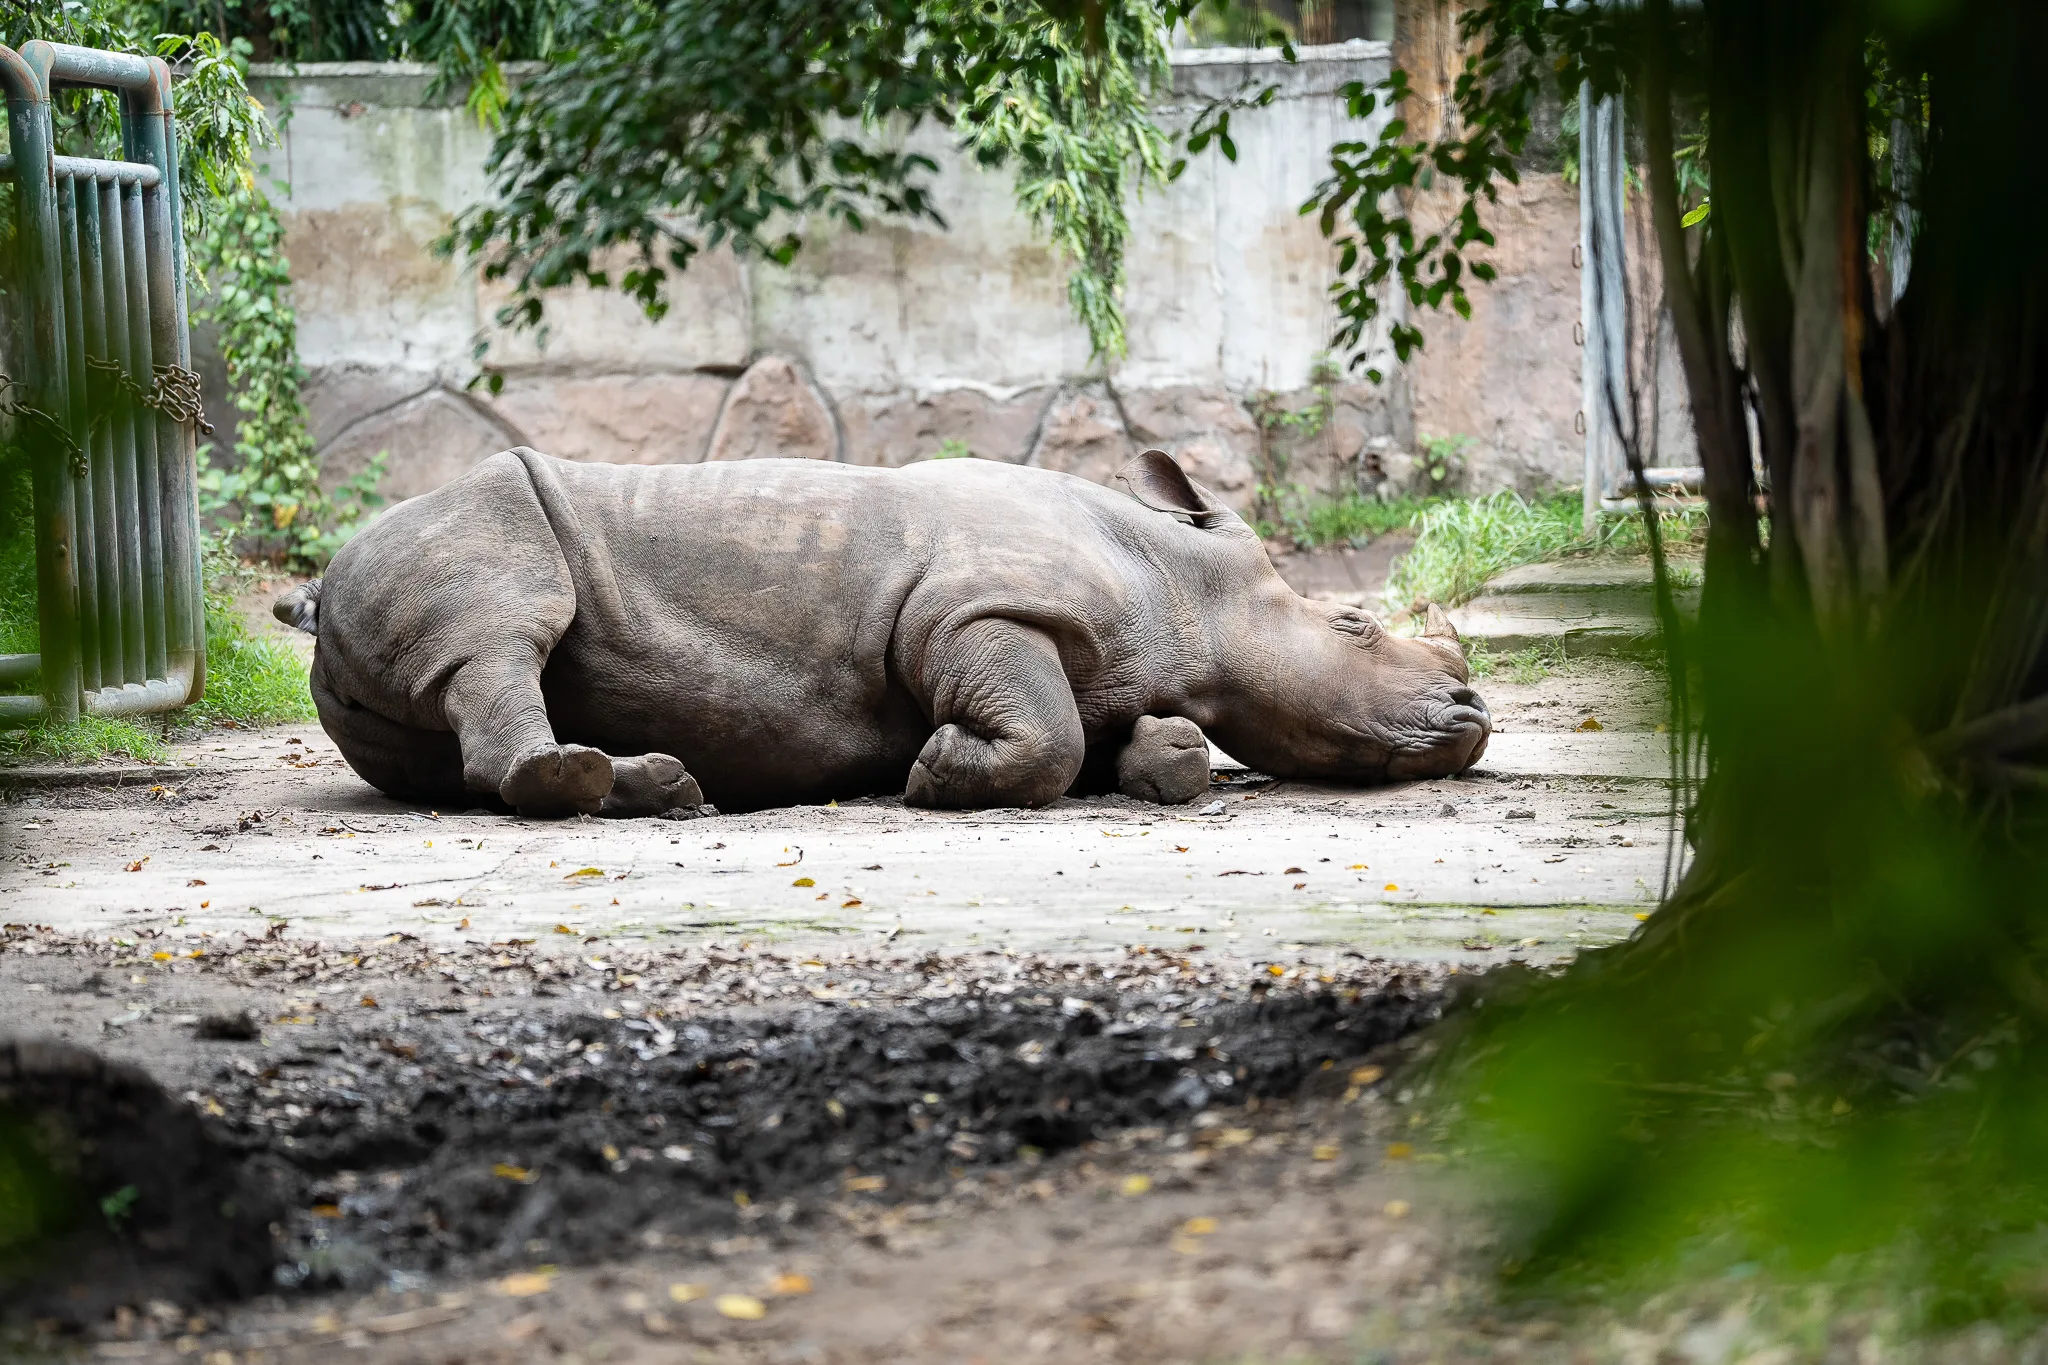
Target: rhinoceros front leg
x=1009 y=732
x=1166 y=760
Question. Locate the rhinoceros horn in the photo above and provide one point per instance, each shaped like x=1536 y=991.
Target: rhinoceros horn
x=1437 y=625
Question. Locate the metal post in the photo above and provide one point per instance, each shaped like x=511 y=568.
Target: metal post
x=28 y=114
x=92 y=607
x=1602 y=294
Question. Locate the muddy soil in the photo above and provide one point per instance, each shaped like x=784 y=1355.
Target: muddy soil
x=499 y=1107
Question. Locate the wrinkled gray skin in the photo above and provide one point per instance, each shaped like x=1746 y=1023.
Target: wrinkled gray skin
x=769 y=632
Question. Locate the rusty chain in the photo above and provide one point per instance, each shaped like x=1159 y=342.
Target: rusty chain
x=175 y=392
x=41 y=420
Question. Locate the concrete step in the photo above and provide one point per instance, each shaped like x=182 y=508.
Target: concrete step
x=1576 y=607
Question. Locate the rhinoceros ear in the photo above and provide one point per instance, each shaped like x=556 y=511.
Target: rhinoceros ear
x=1155 y=480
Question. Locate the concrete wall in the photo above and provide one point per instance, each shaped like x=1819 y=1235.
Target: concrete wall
x=879 y=347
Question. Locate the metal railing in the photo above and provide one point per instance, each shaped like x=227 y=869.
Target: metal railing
x=108 y=403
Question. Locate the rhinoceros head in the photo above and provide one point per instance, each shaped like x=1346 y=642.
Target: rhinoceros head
x=1307 y=689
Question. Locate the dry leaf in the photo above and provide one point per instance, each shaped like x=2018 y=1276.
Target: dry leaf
x=744 y=1307
x=790 y=1284
x=866 y=1184
x=1199 y=1227
x=583 y=872
x=1366 y=1075
x=1400 y=1151
x=524 y=1285
x=1135 y=1185
x=1396 y=1208
x=1589 y=723
x=1392 y=887
x=508 y=1172
x=1327 y=1151
x=801 y=881
x=564 y=929
x=327 y=1210
x=686 y=1293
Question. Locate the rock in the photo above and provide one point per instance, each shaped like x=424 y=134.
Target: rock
x=339 y=396
x=1083 y=434
x=774 y=413
x=1207 y=430
x=898 y=429
x=429 y=439
x=618 y=419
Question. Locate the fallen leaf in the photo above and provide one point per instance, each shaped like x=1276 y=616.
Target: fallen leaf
x=1275 y=969
x=1400 y=1151
x=1199 y=1226
x=1589 y=723
x=1642 y=914
x=800 y=881
x=1392 y=887
x=327 y=1210
x=524 y=1285
x=793 y=861
x=744 y=1307
x=1366 y=1075
x=1356 y=867
x=195 y=882
x=1292 y=871
x=136 y=866
x=1180 y=848
x=369 y=1002
x=508 y=1172
x=1135 y=1185
x=1187 y=1246
x=790 y=1284
x=866 y=1184
x=1234 y=1137
x=687 y=1293
x=608 y=1152
x=851 y=903
x=583 y=872
x=1326 y=1151
x=166 y=957
x=1299 y=886
x=565 y=929
x=1396 y=1208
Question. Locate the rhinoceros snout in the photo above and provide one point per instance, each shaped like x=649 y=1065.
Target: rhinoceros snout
x=1457 y=733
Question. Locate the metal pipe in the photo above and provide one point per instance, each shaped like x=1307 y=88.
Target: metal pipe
x=22 y=710
x=142 y=426
x=64 y=64
x=86 y=168
x=32 y=141
x=88 y=541
x=151 y=138
x=16 y=668
x=120 y=421
x=105 y=530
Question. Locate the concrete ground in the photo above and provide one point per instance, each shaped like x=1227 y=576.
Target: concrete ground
x=1558 y=838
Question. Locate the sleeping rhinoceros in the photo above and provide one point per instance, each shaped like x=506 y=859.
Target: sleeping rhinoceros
x=766 y=632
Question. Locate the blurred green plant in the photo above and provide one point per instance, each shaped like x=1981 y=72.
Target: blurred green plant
x=1460 y=543
x=1440 y=466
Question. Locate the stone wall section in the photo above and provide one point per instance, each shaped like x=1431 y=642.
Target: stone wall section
x=907 y=342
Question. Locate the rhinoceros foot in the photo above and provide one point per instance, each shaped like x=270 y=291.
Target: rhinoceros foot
x=558 y=780
x=1166 y=761
x=652 y=784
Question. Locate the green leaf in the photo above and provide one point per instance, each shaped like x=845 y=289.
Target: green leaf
x=1698 y=215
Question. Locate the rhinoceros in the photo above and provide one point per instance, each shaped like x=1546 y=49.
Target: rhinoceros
x=631 y=640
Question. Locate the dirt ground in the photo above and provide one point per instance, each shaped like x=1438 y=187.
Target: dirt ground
x=853 y=1083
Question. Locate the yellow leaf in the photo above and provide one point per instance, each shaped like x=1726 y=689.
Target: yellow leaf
x=518 y=1173
x=805 y=881
x=161 y=957
x=687 y=1293
x=1199 y=1227
x=1135 y=1185
x=608 y=1152
x=790 y=1284
x=1187 y=1246
x=327 y=1210
x=1366 y=1075
x=524 y=1285
x=1396 y=1208
x=1392 y=887
x=1356 y=867
x=744 y=1307
x=1589 y=723
x=1400 y=1151
x=369 y=1002
x=583 y=872
x=564 y=929
x=866 y=1184
x=1327 y=1151
x=1642 y=914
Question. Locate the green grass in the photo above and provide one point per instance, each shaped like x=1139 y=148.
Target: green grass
x=1314 y=520
x=1460 y=544
x=1525 y=666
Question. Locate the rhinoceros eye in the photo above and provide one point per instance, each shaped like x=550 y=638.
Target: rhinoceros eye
x=1357 y=623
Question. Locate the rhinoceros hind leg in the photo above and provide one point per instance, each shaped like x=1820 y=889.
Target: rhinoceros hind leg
x=1166 y=761
x=555 y=780
x=649 y=785
x=1009 y=732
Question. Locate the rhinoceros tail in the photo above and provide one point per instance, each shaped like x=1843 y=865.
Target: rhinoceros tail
x=300 y=607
